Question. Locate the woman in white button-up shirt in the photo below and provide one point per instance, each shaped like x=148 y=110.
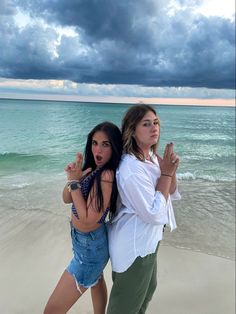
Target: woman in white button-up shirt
x=146 y=184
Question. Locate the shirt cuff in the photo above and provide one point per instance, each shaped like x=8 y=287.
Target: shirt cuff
x=176 y=195
x=159 y=210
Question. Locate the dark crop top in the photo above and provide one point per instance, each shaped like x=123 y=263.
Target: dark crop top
x=85 y=188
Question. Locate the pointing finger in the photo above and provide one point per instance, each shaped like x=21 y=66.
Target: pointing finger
x=79 y=160
x=171 y=148
x=166 y=150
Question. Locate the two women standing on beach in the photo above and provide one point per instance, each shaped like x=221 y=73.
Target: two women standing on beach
x=92 y=190
x=146 y=184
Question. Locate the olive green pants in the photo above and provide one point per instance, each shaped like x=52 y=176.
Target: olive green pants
x=133 y=289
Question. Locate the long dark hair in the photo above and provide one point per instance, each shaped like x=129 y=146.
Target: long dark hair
x=114 y=136
x=132 y=117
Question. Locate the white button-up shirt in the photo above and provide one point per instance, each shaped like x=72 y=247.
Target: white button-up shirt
x=138 y=225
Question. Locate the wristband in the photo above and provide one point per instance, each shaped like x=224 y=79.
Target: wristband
x=166 y=175
x=74 y=185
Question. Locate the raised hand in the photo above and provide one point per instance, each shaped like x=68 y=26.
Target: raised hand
x=170 y=161
x=74 y=169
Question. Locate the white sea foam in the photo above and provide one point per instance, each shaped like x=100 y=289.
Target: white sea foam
x=20 y=185
x=188 y=176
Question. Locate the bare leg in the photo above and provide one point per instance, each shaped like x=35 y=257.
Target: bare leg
x=64 y=296
x=99 y=296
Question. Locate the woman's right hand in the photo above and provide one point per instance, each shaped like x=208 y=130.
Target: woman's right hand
x=170 y=161
x=74 y=169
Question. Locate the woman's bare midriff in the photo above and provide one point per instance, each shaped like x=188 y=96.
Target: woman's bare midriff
x=82 y=227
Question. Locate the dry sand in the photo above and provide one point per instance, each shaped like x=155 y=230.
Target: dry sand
x=35 y=250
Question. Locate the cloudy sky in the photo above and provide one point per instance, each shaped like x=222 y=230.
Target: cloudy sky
x=140 y=48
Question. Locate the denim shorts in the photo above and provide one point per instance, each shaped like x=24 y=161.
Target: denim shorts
x=91 y=255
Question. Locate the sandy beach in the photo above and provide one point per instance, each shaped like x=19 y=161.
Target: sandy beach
x=35 y=250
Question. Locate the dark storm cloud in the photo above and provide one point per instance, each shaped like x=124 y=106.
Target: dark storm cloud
x=120 y=42
x=114 y=20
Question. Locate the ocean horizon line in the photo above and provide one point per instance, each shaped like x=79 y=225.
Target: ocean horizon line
x=207 y=102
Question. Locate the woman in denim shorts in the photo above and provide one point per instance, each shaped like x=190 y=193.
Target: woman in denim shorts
x=92 y=190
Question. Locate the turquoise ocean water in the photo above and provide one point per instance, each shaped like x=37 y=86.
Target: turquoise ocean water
x=38 y=138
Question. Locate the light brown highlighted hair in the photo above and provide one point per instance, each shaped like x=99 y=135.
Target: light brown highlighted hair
x=132 y=117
